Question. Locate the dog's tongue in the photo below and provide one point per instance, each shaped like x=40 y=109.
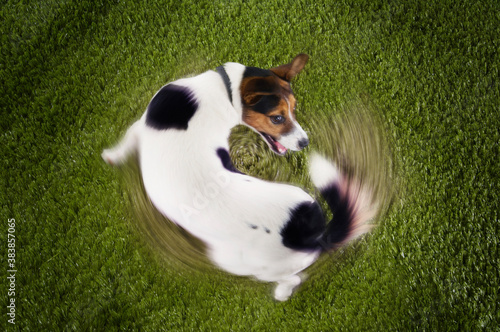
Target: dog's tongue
x=281 y=148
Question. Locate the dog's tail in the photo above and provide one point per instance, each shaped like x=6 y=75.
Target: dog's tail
x=350 y=203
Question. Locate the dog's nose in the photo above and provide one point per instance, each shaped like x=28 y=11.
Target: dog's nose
x=303 y=143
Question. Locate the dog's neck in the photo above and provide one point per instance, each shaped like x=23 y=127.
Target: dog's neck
x=231 y=74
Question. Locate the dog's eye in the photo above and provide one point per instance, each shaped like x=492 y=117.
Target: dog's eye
x=277 y=119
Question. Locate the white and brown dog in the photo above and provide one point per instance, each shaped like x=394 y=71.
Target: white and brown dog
x=251 y=227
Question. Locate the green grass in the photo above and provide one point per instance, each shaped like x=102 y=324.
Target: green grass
x=75 y=74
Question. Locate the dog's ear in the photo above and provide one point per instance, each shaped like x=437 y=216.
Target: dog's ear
x=251 y=99
x=290 y=70
x=254 y=88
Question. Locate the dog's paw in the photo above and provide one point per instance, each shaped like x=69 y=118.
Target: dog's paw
x=282 y=294
x=284 y=289
x=109 y=157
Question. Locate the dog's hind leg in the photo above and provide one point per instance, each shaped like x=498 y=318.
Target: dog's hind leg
x=118 y=154
x=285 y=287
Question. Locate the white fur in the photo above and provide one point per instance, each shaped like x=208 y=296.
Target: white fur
x=323 y=172
x=187 y=182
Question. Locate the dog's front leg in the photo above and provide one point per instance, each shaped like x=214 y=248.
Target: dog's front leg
x=118 y=154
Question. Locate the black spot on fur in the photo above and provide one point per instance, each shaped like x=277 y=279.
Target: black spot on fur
x=266 y=103
x=171 y=108
x=256 y=72
x=339 y=227
x=254 y=226
x=226 y=160
x=304 y=228
x=268 y=231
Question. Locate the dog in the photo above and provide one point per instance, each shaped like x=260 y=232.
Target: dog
x=251 y=227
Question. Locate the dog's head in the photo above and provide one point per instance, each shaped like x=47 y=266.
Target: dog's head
x=269 y=105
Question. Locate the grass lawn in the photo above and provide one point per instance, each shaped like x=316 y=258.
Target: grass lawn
x=74 y=74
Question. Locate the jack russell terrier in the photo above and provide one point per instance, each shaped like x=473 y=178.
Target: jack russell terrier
x=251 y=227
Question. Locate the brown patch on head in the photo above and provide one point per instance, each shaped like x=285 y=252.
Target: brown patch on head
x=268 y=102
x=268 y=105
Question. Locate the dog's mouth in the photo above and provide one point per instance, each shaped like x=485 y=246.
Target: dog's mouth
x=275 y=146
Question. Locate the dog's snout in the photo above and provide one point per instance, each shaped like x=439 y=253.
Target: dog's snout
x=303 y=143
